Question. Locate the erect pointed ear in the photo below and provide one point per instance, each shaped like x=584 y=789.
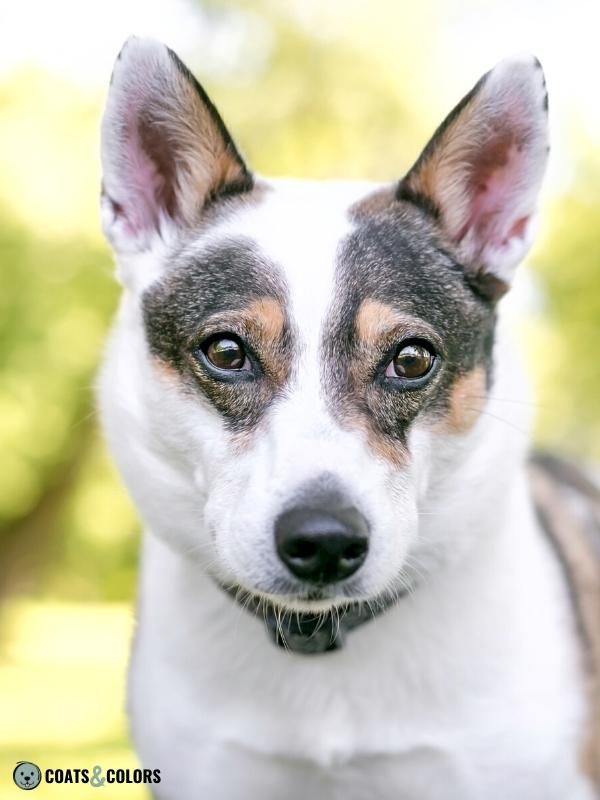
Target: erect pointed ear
x=481 y=172
x=165 y=149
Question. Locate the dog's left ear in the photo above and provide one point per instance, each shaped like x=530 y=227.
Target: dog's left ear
x=165 y=150
x=481 y=172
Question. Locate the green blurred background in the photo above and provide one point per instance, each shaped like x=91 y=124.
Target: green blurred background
x=315 y=89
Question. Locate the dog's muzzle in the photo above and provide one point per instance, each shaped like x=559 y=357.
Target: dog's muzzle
x=322 y=541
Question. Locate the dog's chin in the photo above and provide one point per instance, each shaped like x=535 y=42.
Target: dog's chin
x=311 y=623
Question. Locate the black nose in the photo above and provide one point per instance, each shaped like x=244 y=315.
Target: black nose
x=322 y=546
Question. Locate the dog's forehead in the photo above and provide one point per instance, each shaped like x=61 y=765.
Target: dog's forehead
x=321 y=280
x=335 y=246
x=299 y=227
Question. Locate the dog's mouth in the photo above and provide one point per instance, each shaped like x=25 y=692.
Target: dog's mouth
x=310 y=632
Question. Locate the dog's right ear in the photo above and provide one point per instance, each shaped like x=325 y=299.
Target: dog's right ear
x=165 y=150
x=481 y=172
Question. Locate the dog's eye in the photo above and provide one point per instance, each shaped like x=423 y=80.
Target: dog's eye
x=412 y=360
x=225 y=352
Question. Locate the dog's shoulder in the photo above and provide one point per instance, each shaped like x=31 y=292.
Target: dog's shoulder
x=567 y=502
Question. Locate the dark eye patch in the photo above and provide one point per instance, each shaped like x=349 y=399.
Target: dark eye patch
x=395 y=277
x=227 y=288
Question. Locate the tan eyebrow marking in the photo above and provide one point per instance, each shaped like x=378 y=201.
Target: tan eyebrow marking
x=264 y=317
x=466 y=401
x=374 y=318
x=263 y=322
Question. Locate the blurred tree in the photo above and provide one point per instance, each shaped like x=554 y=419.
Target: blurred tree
x=57 y=297
x=55 y=302
x=318 y=94
x=566 y=356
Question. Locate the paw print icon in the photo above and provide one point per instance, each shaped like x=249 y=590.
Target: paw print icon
x=27 y=775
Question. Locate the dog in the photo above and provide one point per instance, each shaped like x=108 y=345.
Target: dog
x=348 y=586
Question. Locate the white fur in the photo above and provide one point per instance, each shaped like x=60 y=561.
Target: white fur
x=468 y=689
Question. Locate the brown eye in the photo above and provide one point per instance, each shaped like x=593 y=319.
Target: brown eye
x=412 y=360
x=226 y=353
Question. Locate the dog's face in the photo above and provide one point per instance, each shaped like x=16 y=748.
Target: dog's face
x=297 y=365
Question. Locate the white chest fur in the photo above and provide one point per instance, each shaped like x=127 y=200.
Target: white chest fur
x=464 y=690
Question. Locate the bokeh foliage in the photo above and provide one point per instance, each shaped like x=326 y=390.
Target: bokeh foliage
x=566 y=360
x=57 y=297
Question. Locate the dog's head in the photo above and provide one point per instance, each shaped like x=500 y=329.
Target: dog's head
x=297 y=385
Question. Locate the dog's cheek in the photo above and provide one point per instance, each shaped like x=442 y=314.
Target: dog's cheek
x=465 y=402
x=235 y=512
x=186 y=427
x=165 y=373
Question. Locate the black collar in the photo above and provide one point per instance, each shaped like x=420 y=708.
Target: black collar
x=312 y=632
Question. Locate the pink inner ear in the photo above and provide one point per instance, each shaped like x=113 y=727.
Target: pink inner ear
x=142 y=182
x=497 y=183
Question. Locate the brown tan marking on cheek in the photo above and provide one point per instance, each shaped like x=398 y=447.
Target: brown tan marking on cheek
x=466 y=401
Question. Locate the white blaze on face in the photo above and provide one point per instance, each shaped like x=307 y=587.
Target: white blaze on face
x=299 y=227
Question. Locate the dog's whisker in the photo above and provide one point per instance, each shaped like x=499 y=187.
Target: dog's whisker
x=372 y=611
x=513 y=401
x=337 y=624
x=491 y=415
x=280 y=629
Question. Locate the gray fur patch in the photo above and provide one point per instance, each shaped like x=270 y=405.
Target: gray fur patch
x=396 y=257
x=221 y=286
